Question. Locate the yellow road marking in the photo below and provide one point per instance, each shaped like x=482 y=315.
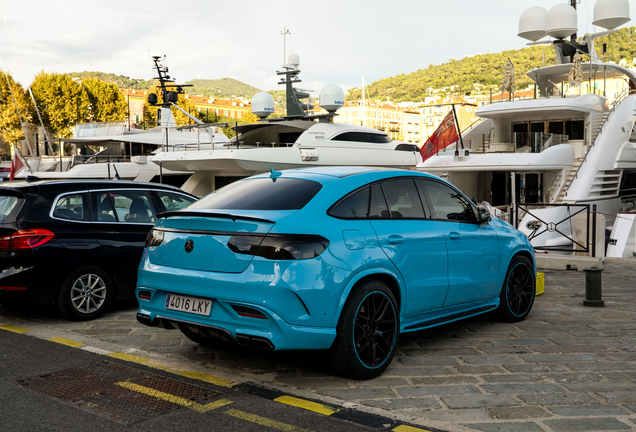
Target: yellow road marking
x=305 y=404
x=186 y=373
x=263 y=421
x=174 y=399
x=68 y=342
x=14 y=329
x=405 y=428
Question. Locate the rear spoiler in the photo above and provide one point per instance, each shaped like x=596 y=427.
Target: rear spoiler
x=219 y=215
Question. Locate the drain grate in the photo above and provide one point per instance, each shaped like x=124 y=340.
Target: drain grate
x=97 y=389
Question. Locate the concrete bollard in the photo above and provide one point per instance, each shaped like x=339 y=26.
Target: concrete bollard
x=593 y=287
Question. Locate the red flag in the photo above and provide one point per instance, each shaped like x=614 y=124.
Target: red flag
x=445 y=135
x=16 y=164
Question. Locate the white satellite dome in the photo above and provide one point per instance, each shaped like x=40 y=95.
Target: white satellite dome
x=561 y=21
x=262 y=104
x=331 y=98
x=294 y=60
x=610 y=14
x=532 y=23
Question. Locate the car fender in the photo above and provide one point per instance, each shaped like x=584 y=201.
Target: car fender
x=385 y=271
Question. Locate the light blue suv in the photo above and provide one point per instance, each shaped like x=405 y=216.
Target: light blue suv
x=343 y=259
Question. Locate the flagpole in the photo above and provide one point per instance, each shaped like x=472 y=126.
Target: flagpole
x=458 y=131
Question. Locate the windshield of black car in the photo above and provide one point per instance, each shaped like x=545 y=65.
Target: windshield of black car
x=261 y=194
x=9 y=208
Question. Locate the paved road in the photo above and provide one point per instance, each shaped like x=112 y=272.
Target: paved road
x=565 y=368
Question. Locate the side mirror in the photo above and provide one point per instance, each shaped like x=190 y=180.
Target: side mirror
x=484 y=214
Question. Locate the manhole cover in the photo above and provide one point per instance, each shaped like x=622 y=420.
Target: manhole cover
x=117 y=392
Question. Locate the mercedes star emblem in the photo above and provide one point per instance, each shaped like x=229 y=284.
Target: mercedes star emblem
x=189 y=246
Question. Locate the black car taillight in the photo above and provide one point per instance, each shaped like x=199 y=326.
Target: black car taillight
x=26 y=239
x=154 y=237
x=279 y=246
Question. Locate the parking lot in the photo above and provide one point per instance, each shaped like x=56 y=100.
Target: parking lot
x=567 y=367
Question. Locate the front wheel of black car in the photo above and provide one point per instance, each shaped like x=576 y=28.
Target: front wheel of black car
x=367 y=332
x=518 y=291
x=85 y=294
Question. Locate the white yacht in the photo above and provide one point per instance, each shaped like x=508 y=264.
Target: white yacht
x=298 y=140
x=561 y=146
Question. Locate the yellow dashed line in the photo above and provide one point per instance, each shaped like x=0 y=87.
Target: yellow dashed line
x=263 y=421
x=311 y=406
x=186 y=373
x=174 y=399
x=405 y=428
x=14 y=329
x=67 y=342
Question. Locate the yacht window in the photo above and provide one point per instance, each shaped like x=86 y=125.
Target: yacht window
x=363 y=137
x=72 y=207
x=628 y=184
x=575 y=129
x=261 y=194
x=353 y=206
x=448 y=203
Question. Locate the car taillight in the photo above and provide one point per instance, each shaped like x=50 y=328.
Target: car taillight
x=26 y=239
x=154 y=238
x=279 y=246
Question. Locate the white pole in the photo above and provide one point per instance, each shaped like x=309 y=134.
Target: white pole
x=364 y=104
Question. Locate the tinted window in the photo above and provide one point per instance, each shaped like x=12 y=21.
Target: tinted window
x=448 y=203
x=124 y=206
x=403 y=198
x=353 y=206
x=378 y=208
x=261 y=194
x=72 y=207
x=363 y=137
x=174 y=201
x=9 y=208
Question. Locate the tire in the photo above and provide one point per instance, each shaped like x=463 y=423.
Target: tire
x=518 y=291
x=85 y=294
x=367 y=332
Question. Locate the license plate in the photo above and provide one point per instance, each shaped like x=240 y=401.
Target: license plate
x=188 y=304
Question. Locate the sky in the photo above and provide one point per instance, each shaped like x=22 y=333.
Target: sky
x=338 y=42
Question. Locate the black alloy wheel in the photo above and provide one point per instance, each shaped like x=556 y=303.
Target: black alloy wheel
x=367 y=332
x=518 y=291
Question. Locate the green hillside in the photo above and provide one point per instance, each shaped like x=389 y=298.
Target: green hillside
x=221 y=88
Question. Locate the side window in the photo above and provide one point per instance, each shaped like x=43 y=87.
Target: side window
x=354 y=206
x=447 y=203
x=403 y=198
x=173 y=201
x=71 y=207
x=378 y=208
x=124 y=206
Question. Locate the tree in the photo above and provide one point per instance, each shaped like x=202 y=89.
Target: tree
x=13 y=98
x=105 y=102
x=61 y=102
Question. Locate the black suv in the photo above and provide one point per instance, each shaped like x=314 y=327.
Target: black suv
x=76 y=244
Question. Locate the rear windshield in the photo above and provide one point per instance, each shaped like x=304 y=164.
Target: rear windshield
x=261 y=194
x=9 y=208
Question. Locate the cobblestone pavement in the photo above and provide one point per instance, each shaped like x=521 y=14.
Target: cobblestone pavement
x=567 y=367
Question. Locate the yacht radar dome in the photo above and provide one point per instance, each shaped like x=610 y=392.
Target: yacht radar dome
x=561 y=21
x=331 y=98
x=262 y=105
x=532 y=23
x=610 y=14
x=293 y=61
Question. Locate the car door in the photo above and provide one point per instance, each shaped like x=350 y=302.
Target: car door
x=473 y=251
x=412 y=241
x=121 y=220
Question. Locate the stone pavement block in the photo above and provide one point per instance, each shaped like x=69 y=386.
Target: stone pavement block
x=598 y=366
x=399 y=404
x=563 y=378
x=619 y=397
x=417 y=371
x=556 y=358
x=565 y=349
x=478 y=401
x=455 y=416
x=457 y=379
x=506 y=427
x=601 y=386
x=427 y=361
x=491 y=359
x=510 y=349
x=104 y=332
x=630 y=407
x=620 y=356
x=519 y=412
x=382 y=381
x=438 y=390
x=535 y=367
x=448 y=352
x=587 y=424
x=583 y=340
x=620 y=376
x=558 y=399
x=521 y=388
x=318 y=383
x=518 y=342
x=583 y=411
x=359 y=393
x=508 y=378
x=480 y=369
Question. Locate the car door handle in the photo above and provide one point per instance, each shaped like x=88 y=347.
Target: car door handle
x=454 y=235
x=395 y=239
